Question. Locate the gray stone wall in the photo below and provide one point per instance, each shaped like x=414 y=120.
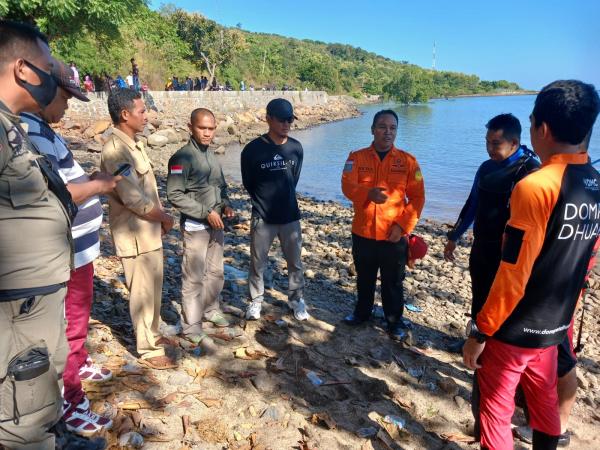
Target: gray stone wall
x=182 y=102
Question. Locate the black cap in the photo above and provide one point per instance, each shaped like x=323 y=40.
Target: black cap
x=280 y=108
x=64 y=77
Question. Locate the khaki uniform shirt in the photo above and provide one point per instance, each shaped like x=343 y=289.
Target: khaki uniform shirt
x=136 y=195
x=35 y=235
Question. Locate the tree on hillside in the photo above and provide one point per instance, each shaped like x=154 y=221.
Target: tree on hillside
x=212 y=45
x=68 y=18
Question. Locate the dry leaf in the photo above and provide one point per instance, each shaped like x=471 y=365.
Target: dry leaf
x=457 y=437
x=210 y=402
x=323 y=418
x=136 y=385
x=136 y=404
x=385 y=439
x=250 y=354
x=169 y=398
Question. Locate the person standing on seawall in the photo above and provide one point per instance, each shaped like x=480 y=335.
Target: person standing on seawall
x=548 y=243
x=271 y=166
x=386 y=188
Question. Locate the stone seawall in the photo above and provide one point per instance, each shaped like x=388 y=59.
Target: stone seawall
x=240 y=115
x=177 y=103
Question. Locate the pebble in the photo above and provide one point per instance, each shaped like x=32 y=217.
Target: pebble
x=179 y=379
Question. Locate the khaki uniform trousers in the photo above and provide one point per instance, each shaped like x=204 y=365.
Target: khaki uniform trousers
x=202 y=281
x=30 y=407
x=144 y=279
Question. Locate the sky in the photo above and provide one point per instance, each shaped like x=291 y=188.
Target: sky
x=531 y=42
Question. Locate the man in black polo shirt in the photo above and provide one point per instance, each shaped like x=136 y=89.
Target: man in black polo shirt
x=271 y=167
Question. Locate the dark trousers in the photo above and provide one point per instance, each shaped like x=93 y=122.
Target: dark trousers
x=370 y=257
x=484 y=261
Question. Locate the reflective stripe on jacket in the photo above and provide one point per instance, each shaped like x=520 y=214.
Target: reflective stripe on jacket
x=399 y=174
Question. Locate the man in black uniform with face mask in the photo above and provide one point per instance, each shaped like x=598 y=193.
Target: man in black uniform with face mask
x=35 y=213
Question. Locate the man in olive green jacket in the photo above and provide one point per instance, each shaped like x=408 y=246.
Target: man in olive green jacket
x=196 y=187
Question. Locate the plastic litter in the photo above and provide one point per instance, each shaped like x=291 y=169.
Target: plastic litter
x=395 y=420
x=131 y=440
x=314 y=378
x=413 y=308
x=416 y=372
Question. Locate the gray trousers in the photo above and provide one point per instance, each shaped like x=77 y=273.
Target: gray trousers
x=262 y=235
x=202 y=280
x=32 y=322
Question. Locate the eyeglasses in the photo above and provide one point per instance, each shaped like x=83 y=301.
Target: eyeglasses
x=288 y=120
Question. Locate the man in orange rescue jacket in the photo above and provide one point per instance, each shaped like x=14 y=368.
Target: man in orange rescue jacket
x=387 y=192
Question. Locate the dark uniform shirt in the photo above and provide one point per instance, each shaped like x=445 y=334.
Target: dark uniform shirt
x=270 y=174
x=35 y=235
x=195 y=184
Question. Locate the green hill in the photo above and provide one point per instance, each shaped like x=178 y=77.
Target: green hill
x=173 y=42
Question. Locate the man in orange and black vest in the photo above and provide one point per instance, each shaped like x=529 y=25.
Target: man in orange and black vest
x=548 y=242
x=387 y=192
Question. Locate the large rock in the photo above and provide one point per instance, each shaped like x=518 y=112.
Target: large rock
x=157 y=140
x=100 y=126
x=171 y=135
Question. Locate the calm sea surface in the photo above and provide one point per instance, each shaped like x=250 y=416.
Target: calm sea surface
x=446 y=136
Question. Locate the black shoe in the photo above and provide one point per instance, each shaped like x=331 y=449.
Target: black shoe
x=398 y=332
x=564 y=440
x=352 y=320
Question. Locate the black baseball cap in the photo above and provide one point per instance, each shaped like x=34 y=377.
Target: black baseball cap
x=280 y=108
x=64 y=77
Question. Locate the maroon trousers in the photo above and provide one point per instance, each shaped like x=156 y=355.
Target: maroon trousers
x=78 y=303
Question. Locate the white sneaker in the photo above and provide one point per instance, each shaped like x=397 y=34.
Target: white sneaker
x=299 y=308
x=253 y=311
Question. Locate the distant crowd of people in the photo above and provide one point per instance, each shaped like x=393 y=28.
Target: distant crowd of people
x=536 y=231
x=106 y=83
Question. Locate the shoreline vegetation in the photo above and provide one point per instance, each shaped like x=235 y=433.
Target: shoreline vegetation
x=173 y=42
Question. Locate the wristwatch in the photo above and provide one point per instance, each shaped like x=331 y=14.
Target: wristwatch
x=473 y=332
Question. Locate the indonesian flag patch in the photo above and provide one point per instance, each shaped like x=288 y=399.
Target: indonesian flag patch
x=176 y=170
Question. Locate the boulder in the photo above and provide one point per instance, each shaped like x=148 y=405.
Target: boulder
x=100 y=126
x=157 y=140
x=171 y=135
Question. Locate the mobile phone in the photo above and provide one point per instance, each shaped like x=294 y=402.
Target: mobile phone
x=122 y=170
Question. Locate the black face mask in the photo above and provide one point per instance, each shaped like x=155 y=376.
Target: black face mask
x=44 y=92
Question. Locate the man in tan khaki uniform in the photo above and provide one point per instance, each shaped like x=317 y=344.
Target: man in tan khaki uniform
x=137 y=221
x=34 y=250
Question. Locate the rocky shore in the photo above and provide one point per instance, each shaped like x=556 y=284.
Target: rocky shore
x=256 y=391
x=171 y=128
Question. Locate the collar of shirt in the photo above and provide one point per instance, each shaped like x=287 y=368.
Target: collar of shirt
x=512 y=158
x=375 y=152
x=568 y=158
x=14 y=118
x=199 y=147
x=132 y=144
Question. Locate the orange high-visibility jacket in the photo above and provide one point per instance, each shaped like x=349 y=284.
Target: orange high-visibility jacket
x=399 y=175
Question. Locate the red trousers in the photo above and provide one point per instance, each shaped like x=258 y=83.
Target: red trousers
x=78 y=303
x=504 y=366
